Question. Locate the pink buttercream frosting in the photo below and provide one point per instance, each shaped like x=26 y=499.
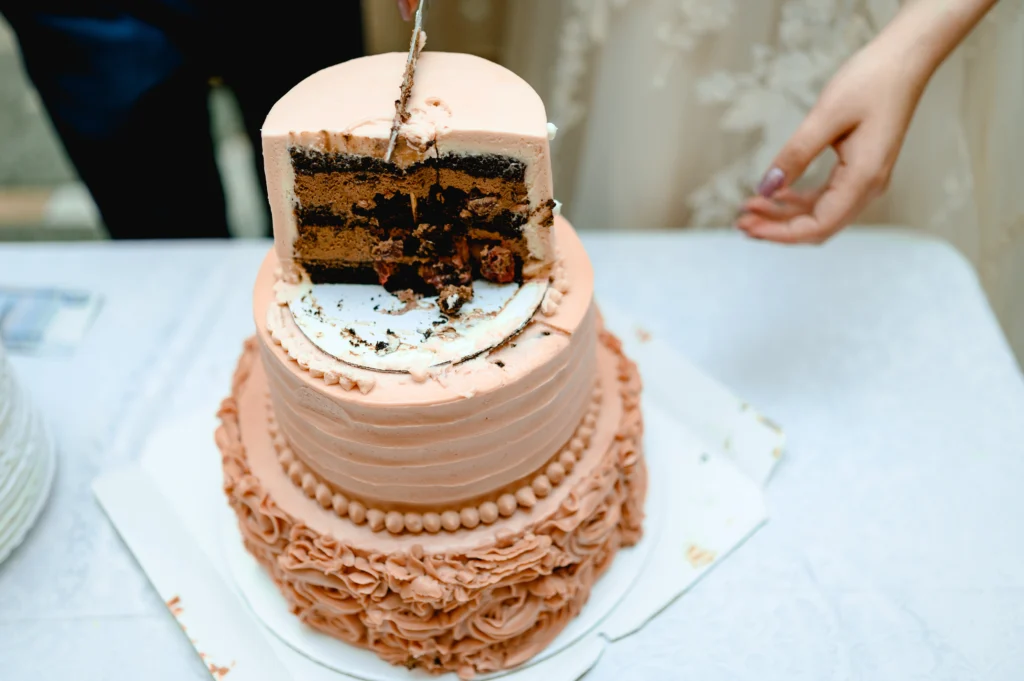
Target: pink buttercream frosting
x=454 y=438
x=501 y=504
x=469 y=602
x=459 y=104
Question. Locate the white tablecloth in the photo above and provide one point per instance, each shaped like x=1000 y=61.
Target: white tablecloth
x=894 y=549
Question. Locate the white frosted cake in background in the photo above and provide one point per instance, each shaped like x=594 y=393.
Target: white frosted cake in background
x=453 y=514
x=26 y=461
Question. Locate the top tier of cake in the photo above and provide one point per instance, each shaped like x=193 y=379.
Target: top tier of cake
x=466 y=195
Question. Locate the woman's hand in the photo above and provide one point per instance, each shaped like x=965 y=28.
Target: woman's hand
x=407 y=8
x=863 y=114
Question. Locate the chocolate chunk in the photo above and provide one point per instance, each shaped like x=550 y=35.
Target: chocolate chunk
x=392 y=249
x=384 y=270
x=483 y=207
x=498 y=264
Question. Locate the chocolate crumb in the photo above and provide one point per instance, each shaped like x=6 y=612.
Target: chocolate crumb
x=545 y=333
x=381 y=346
x=452 y=298
x=501 y=365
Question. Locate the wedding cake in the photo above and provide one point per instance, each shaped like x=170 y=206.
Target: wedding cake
x=432 y=445
x=26 y=461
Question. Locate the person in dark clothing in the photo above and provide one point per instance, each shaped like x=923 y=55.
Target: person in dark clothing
x=126 y=84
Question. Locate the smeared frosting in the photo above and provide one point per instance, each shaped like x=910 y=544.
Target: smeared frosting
x=471 y=602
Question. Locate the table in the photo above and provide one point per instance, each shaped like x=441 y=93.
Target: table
x=894 y=549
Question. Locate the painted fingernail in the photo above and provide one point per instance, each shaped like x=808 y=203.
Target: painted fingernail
x=771 y=182
x=404 y=11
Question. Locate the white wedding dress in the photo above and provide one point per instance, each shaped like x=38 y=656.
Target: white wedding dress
x=26 y=461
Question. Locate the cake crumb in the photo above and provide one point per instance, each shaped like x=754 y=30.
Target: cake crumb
x=643 y=335
x=698 y=557
x=218 y=672
x=497 y=264
x=452 y=298
x=392 y=249
x=174 y=605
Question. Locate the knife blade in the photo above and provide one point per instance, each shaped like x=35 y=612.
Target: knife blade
x=419 y=38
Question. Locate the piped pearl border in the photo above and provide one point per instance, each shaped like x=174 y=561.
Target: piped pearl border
x=469 y=517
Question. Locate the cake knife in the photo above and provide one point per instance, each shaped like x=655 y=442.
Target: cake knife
x=402 y=103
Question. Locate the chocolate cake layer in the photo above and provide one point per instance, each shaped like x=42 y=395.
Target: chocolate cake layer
x=313 y=161
x=433 y=224
x=435 y=205
x=347 y=196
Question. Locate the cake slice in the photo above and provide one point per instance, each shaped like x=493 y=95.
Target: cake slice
x=467 y=194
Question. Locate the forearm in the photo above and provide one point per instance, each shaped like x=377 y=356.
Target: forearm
x=926 y=31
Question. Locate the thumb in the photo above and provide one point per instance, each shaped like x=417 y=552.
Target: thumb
x=815 y=134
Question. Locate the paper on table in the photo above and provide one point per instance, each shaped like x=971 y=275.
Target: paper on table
x=708 y=447
x=209 y=612
x=724 y=423
x=45 y=320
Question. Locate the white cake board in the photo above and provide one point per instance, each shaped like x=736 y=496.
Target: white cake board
x=708 y=454
x=368 y=327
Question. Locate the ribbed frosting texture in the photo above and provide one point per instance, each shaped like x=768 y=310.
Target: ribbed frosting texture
x=446 y=453
x=476 y=429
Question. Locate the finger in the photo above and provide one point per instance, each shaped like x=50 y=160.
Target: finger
x=807 y=197
x=848 y=191
x=785 y=205
x=818 y=131
x=407 y=8
x=771 y=210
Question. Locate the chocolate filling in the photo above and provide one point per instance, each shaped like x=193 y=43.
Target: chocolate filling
x=429 y=227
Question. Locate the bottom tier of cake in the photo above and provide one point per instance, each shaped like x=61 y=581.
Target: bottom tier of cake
x=472 y=601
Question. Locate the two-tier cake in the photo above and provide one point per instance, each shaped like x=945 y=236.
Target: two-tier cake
x=432 y=445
